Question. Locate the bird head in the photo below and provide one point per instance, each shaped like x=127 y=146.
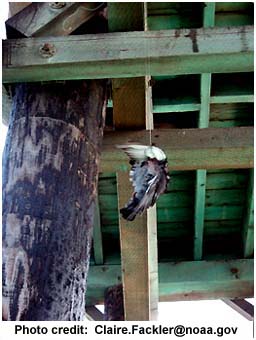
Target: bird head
x=155 y=152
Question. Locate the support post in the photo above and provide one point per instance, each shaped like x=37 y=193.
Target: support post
x=50 y=171
x=205 y=90
x=139 y=267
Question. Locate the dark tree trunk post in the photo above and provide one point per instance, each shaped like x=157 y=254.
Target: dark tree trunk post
x=50 y=172
x=114 y=303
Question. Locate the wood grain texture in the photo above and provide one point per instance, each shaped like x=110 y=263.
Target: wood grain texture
x=186 y=149
x=50 y=166
x=134 y=255
x=188 y=280
x=119 y=55
x=50 y=19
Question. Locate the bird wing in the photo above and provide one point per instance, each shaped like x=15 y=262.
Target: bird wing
x=149 y=179
x=135 y=152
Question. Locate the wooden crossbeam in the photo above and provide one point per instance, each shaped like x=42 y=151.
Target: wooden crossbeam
x=186 y=149
x=119 y=55
x=139 y=267
x=204 y=114
x=241 y=306
x=97 y=235
x=245 y=98
x=93 y=314
x=248 y=225
x=50 y=18
x=189 y=280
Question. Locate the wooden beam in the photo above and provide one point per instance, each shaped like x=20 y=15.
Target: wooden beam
x=204 y=114
x=198 y=280
x=153 y=262
x=241 y=306
x=189 y=280
x=246 y=98
x=50 y=18
x=186 y=149
x=129 y=103
x=199 y=213
x=15 y=7
x=248 y=226
x=158 y=108
x=134 y=256
x=119 y=55
x=128 y=94
x=93 y=314
x=97 y=235
x=139 y=267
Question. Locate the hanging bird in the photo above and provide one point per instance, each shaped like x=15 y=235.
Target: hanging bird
x=149 y=177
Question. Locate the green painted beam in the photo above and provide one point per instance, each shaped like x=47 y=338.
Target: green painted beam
x=192 y=280
x=199 y=214
x=176 y=108
x=186 y=149
x=247 y=98
x=204 y=114
x=118 y=55
x=97 y=236
x=248 y=226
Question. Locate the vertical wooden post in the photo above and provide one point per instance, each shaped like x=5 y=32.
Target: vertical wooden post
x=205 y=92
x=139 y=266
x=50 y=171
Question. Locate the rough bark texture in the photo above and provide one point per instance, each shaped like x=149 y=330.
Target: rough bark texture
x=50 y=172
x=114 y=303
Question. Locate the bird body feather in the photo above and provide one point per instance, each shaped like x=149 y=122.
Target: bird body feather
x=149 y=177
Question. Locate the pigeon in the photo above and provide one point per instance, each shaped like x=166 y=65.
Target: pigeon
x=149 y=177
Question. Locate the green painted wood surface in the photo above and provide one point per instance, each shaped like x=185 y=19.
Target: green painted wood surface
x=125 y=17
x=247 y=98
x=169 y=52
x=203 y=122
x=175 y=108
x=190 y=280
x=97 y=235
x=186 y=149
x=248 y=223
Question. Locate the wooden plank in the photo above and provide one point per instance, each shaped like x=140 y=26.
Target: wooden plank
x=15 y=7
x=51 y=19
x=97 y=236
x=139 y=258
x=186 y=149
x=206 y=280
x=248 y=225
x=176 y=108
x=119 y=55
x=128 y=94
x=189 y=280
x=246 y=98
x=199 y=213
x=134 y=255
x=241 y=306
x=153 y=262
x=93 y=313
x=204 y=114
x=129 y=103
